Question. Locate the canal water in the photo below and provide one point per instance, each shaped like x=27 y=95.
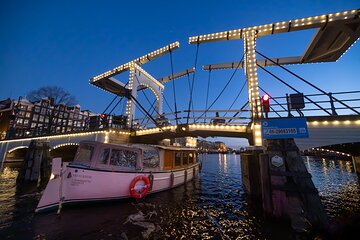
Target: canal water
x=214 y=206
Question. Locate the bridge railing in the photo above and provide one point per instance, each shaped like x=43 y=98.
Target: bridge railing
x=339 y=103
x=215 y=117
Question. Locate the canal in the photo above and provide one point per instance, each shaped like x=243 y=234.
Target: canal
x=214 y=206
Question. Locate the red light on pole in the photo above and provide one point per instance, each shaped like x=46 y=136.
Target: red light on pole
x=103 y=119
x=266 y=104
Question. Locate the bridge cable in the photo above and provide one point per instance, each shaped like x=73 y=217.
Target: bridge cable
x=192 y=103
x=110 y=104
x=240 y=111
x=137 y=103
x=207 y=92
x=113 y=102
x=232 y=104
x=192 y=85
x=137 y=79
x=274 y=100
x=153 y=109
x=294 y=89
x=116 y=105
x=173 y=85
x=222 y=91
x=167 y=103
x=152 y=112
x=309 y=83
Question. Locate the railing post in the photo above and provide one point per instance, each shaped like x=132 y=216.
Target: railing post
x=288 y=105
x=333 y=112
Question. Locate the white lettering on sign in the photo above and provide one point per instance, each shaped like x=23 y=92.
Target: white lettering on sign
x=279 y=131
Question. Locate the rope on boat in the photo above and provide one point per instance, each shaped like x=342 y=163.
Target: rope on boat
x=60 y=193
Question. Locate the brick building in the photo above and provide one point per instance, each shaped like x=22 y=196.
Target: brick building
x=21 y=118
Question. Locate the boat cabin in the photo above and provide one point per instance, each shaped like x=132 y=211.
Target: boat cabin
x=133 y=157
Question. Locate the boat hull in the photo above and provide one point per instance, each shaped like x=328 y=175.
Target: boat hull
x=80 y=184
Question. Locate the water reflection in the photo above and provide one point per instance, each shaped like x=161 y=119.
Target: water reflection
x=214 y=206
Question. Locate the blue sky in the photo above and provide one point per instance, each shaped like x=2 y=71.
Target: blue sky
x=65 y=43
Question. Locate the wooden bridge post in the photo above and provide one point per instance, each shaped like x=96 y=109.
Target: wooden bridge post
x=287 y=188
x=250 y=171
x=36 y=168
x=356 y=162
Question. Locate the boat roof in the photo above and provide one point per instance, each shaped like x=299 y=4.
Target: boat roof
x=143 y=146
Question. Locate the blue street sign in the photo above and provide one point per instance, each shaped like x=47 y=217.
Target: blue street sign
x=284 y=128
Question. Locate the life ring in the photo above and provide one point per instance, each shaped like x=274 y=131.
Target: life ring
x=139 y=192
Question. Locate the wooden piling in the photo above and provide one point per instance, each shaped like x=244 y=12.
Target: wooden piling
x=356 y=163
x=250 y=168
x=36 y=169
x=287 y=188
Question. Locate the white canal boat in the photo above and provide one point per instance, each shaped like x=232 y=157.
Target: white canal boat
x=102 y=171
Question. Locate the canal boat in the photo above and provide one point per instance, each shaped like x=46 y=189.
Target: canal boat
x=103 y=171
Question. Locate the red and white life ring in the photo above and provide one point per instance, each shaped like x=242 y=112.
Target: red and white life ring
x=137 y=190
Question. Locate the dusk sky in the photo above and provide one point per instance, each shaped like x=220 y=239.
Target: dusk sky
x=65 y=43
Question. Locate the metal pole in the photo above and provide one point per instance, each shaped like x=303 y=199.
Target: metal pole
x=332 y=104
x=288 y=106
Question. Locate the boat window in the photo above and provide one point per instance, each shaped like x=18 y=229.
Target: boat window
x=105 y=156
x=178 y=159
x=191 y=157
x=123 y=158
x=84 y=155
x=151 y=158
x=185 y=158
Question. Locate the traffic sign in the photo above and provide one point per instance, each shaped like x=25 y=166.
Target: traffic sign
x=284 y=128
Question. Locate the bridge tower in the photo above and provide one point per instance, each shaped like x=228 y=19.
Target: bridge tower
x=336 y=33
x=139 y=80
x=250 y=69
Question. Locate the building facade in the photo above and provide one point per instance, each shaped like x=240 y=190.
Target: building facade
x=23 y=118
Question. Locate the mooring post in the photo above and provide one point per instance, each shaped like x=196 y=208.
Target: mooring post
x=250 y=169
x=356 y=163
x=36 y=168
x=276 y=180
x=287 y=188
